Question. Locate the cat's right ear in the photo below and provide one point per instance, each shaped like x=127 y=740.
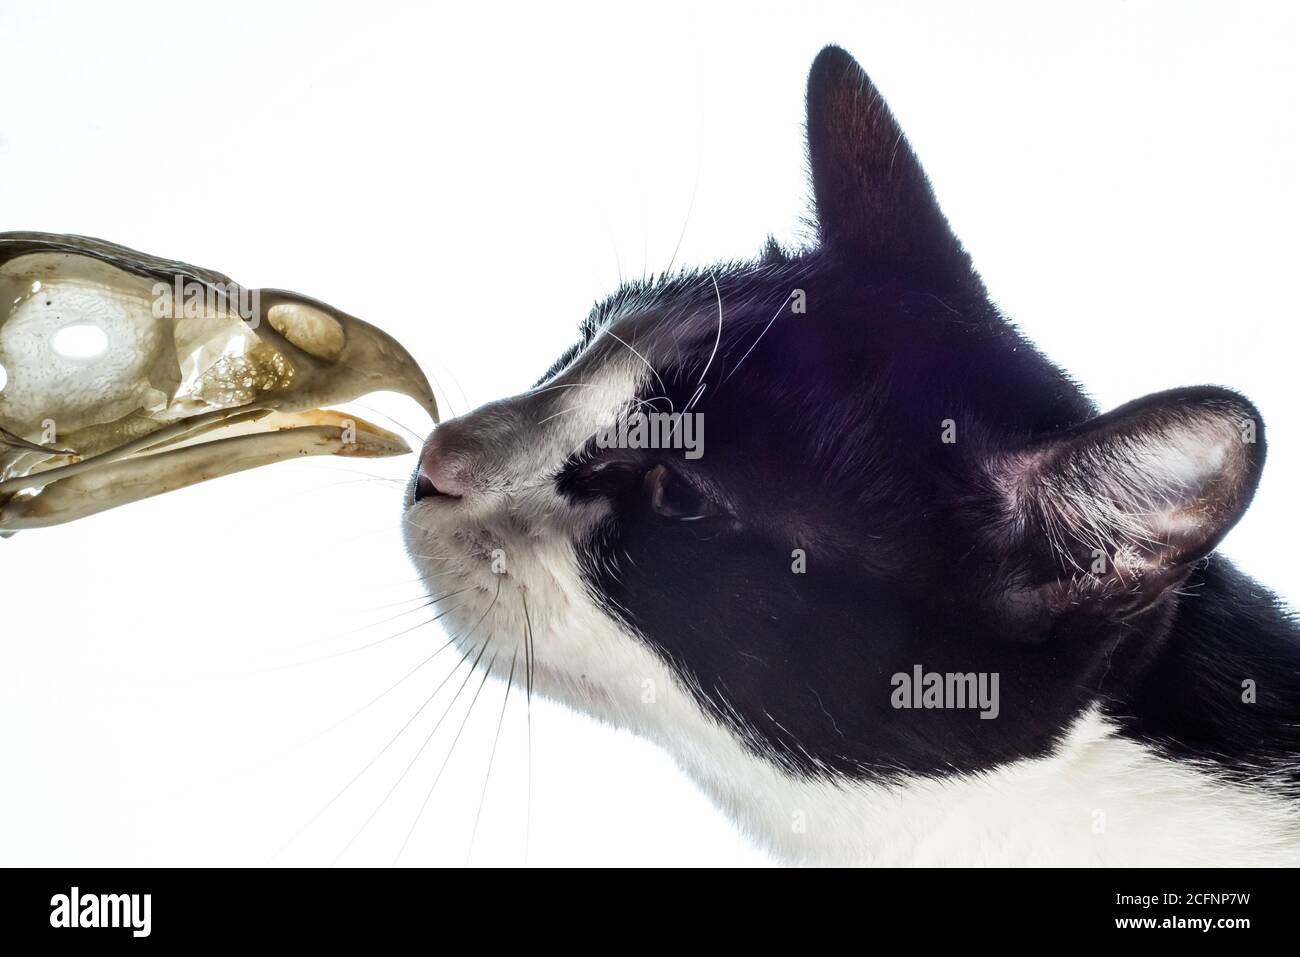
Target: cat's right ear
x=875 y=206
x=1108 y=518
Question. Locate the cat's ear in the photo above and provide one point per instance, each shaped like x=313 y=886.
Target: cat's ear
x=1109 y=517
x=874 y=202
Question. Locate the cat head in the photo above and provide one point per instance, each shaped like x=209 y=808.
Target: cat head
x=750 y=496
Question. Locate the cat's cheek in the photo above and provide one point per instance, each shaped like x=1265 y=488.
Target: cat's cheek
x=506 y=583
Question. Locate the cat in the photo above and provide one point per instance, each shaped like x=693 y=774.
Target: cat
x=913 y=600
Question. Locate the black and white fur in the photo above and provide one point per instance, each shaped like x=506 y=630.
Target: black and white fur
x=659 y=593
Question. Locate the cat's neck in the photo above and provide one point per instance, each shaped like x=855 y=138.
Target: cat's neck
x=1107 y=794
x=1144 y=776
x=1224 y=684
x=1100 y=799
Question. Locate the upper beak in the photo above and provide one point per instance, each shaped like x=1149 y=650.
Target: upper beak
x=181 y=392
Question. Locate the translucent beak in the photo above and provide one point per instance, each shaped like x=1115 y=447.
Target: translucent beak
x=124 y=376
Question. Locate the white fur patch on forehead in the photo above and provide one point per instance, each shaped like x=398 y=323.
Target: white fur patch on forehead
x=564 y=414
x=584 y=397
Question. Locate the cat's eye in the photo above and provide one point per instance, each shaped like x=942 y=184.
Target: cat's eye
x=671 y=496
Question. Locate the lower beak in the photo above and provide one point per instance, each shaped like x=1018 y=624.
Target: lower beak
x=202 y=448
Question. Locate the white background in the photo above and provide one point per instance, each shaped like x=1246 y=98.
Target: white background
x=472 y=177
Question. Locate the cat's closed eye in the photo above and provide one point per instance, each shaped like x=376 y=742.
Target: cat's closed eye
x=672 y=496
x=643 y=485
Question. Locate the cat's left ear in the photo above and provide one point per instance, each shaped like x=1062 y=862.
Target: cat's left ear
x=1109 y=518
x=874 y=203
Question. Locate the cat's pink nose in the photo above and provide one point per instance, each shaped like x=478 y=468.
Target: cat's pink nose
x=438 y=475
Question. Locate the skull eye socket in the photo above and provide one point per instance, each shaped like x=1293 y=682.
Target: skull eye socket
x=80 y=340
